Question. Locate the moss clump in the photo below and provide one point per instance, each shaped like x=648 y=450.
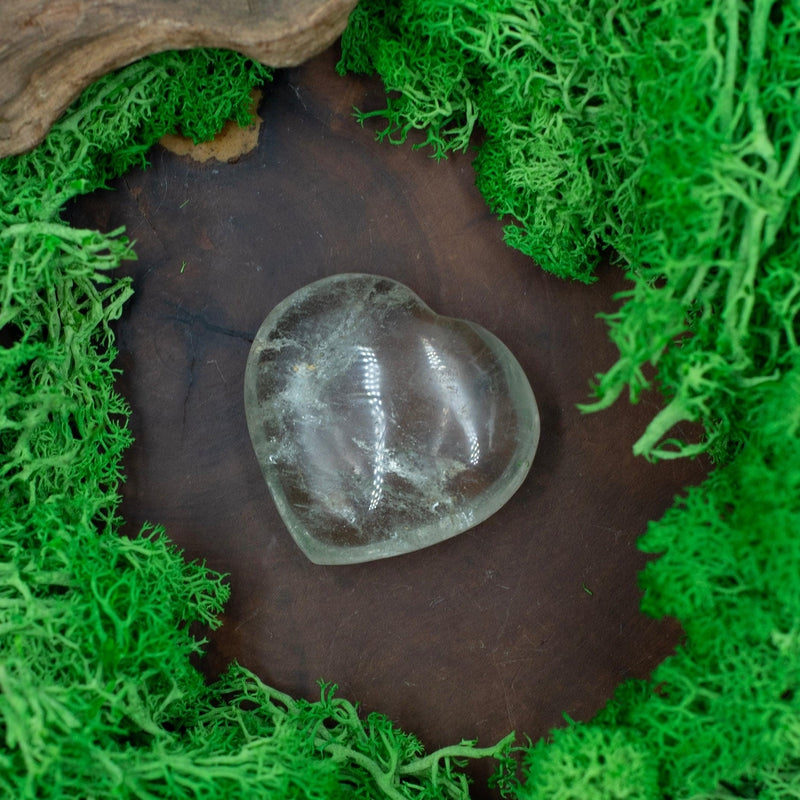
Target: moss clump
x=721 y=717
x=665 y=133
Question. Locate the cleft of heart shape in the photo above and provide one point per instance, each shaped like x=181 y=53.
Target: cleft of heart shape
x=380 y=426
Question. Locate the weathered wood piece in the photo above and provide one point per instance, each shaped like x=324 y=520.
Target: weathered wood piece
x=50 y=50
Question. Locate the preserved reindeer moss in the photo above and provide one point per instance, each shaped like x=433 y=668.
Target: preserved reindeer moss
x=668 y=132
x=721 y=717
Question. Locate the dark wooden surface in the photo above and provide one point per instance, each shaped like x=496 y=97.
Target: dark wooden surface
x=531 y=614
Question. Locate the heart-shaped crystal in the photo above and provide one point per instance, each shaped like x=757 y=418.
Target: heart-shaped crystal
x=380 y=426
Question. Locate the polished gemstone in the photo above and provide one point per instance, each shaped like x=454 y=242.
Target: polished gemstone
x=380 y=426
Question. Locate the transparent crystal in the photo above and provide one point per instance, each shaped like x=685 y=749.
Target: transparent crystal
x=380 y=426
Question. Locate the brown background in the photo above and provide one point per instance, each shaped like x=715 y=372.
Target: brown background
x=531 y=614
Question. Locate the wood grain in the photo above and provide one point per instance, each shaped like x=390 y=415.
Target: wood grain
x=50 y=50
x=533 y=613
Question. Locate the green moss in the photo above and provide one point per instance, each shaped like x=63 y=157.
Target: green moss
x=664 y=133
x=590 y=761
x=668 y=132
x=719 y=718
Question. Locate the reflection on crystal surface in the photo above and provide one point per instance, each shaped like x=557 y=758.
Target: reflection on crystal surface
x=380 y=426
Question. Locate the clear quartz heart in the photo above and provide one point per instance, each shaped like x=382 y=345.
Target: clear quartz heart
x=380 y=426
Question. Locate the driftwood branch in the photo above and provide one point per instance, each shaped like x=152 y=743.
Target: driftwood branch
x=50 y=50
